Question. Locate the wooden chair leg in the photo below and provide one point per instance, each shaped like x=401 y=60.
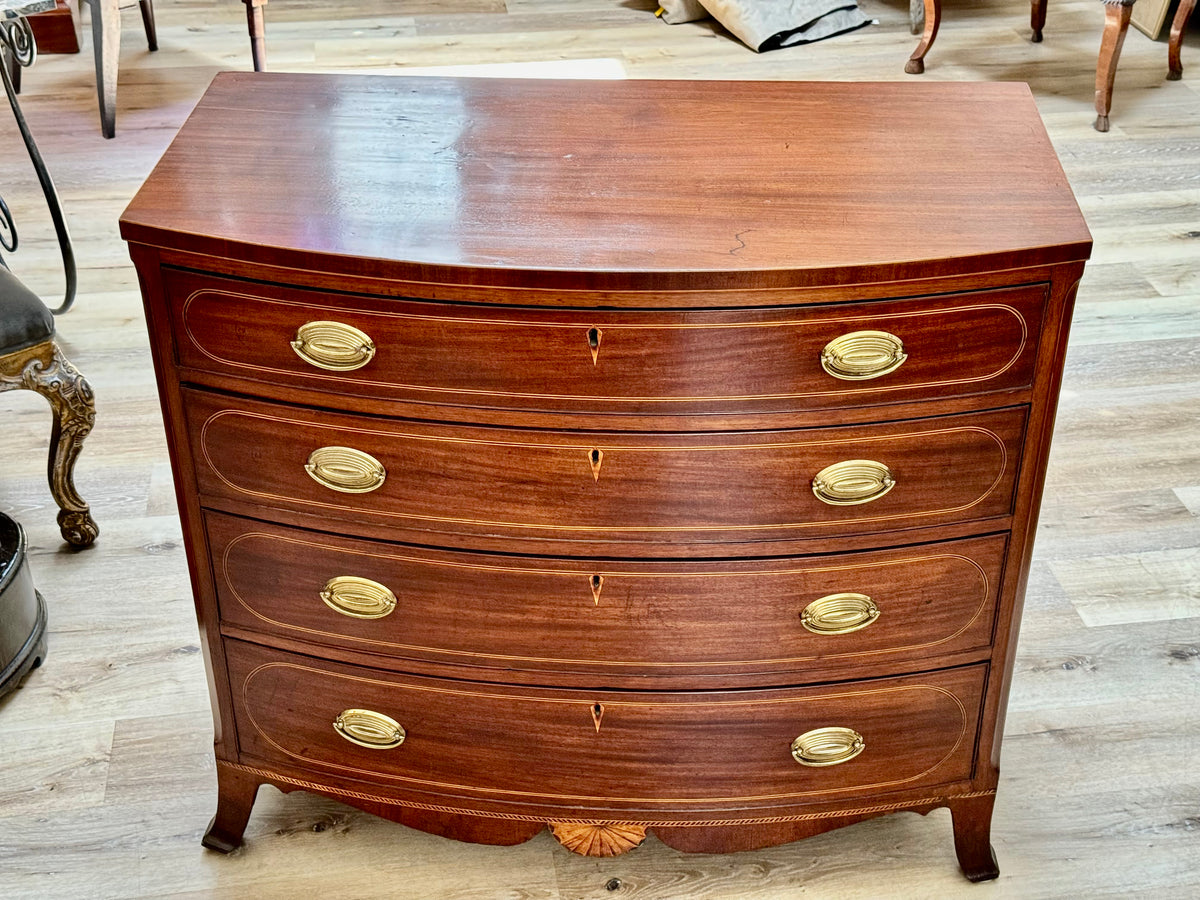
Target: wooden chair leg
x=236 y=791
x=258 y=33
x=44 y=369
x=1178 y=27
x=147 y=8
x=1037 y=19
x=933 y=18
x=972 y=817
x=916 y=16
x=106 y=43
x=1116 y=23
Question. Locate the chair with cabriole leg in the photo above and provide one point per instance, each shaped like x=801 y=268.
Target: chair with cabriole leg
x=1116 y=24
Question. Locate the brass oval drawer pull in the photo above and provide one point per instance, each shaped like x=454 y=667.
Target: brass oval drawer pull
x=360 y=598
x=853 y=481
x=863 y=355
x=827 y=746
x=369 y=729
x=345 y=469
x=839 y=613
x=333 y=346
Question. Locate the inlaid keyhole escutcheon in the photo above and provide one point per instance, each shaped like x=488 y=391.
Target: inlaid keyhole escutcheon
x=359 y=598
x=827 y=746
x=863 y=355
x=839 y=614
x=333 y=346
x=597 y=715
x=594 y=335
x=597 y=583
x=370 y=729
x=853 y=481
x=595 y=460
x=345 y=469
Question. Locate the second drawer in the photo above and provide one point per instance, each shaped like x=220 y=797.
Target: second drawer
x=574 y=486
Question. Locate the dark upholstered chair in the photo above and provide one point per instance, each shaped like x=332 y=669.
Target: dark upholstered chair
x=30 y=357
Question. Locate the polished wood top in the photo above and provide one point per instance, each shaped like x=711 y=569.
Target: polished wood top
x=614 y=184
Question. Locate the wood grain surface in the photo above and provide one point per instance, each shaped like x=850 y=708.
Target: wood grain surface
x=635 y=622
x=106 y=754
x=599 y=361
x=579 y=181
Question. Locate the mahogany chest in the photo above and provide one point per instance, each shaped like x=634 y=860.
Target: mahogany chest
x=610 y=456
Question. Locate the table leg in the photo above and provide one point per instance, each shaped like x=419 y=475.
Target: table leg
x=1178 y=26
x=1037 y=19
x=1116 y=23
x=258 y=33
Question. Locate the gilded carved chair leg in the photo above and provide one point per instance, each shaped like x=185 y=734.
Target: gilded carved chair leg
x=933 y=18
x=1178 y=25
x=44 y=369
x=1116 y=23
x=1037 y=19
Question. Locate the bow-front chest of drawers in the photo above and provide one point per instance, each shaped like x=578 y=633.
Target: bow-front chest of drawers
x=610 y=456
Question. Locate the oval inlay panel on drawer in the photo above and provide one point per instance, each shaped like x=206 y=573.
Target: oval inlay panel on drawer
x=604 y=749
x=647 y=618
x=648 y=487
x=553 y=359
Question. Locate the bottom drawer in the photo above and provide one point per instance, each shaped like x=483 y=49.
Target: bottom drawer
x=604 y=750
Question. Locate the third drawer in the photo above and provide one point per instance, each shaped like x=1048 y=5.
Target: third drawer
x=897 y=608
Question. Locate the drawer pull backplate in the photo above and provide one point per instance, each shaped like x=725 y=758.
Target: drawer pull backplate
x=863 y=355
x=333 y=346
x=853 y=481
x=369 y=729
x=827 y=746
x=839 y=614
x=345 y=469
x=357 y=597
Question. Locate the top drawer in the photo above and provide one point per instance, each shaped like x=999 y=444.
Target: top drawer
x=782 y=358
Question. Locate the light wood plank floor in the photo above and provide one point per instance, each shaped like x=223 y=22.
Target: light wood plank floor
x=106 y=780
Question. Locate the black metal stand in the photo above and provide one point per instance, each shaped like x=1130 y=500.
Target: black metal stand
x=18 y=47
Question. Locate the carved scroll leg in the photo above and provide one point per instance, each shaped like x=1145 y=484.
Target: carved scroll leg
x=236 y=791
x=1116 y=23
x=50 y=374
x=933 y=18
x=1178 y=26
x=1037 y=19
x=258 y=33
x=972 y=817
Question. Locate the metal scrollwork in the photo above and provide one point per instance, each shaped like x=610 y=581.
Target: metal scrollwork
x=8 y=229
x=16 y=40
x=17 y=37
